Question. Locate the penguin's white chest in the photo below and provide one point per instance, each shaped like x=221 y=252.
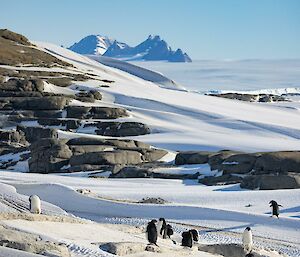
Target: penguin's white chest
x=35 y=204
x=247 y=240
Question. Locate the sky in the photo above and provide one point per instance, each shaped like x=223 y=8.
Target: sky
x=205 y=29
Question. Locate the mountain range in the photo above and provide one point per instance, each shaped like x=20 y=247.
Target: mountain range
x=152 y=49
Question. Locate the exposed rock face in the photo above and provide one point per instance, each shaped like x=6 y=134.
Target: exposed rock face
x=239 y=163
x=278 y=162
x=12 y=136
x=31 y=85
x=33 y=134
x=192 y=157
x=271 y=182
x=221 y=180
x=251 y=97
x=107 y=158
x=49 y=155
x=69 y=124
x=133 y=172
x=122 y=129
x=89 y=96
x=82 y=112
x=215 y=161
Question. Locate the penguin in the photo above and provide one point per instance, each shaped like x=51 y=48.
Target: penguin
x=247 y=240
x=195 y=235
x=35 y=204
x=161 y=228
x=152 y=232
x=275 y=208
x=187 y=239
x=170 y=232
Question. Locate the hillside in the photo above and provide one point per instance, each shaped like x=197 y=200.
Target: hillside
x=115 y=149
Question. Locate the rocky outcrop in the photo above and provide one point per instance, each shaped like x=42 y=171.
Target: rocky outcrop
x=192 y=157
x=49 y=155
x=220 y=180
x=278 y=162
x=215 y=161
x=239 y=163
x=272 y=182
x=69 y=124
x=22 y=85
x=107 y=158
x=33 y=134
x=13 y=136
x=88 y=96
x=122 y=129
x=251 y=97
x=82 y=112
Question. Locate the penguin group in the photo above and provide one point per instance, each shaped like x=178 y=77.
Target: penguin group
x=159 y=229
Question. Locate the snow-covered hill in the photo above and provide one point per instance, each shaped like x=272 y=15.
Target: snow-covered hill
x=152 y=49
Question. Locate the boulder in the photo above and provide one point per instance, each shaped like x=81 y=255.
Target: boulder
x=192 y=157
x=16 y=84
x=239 y=163
x=107 y=158
x=133 y=172
x=153 y=154
x=278 y=162
x=49 y=155
x=122 y=129
x=272 y=182
x=40 y=103
x=123 y=248
x=215 y=160
x=12 y=136
x=85 y=97
x=81 y=149
x=227 y=179
x=33 y=134
x=108 y=113
x=78 y=112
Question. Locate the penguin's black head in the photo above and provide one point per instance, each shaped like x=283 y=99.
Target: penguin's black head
x=153 y=221
x=272 y=202
x=162 y=219
x=248 y=228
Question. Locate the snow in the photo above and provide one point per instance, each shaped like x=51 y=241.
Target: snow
x=179 y=120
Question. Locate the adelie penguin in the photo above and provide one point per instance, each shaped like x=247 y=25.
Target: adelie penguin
x=35 y=204
x=162 y=228
x=247 y=240
x=187 y=239
x=195 y=235
x=275 y=208
x=170 y=232
x=151 y=232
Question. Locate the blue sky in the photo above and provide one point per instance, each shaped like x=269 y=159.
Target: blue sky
x=205 y=29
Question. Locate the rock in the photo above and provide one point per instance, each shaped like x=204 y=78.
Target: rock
x=33 y=134
x=153 y=249
x=88 y=167
x=108 y=113
x=81 y=149
x=122 y=129
x=132 y=172
x=78 y=112
x=39 y=103
x=107 y=158
x=192 y=157
x=153 y=154
x=12 y=136
x=226 y=250
x=85 y=97
x=271 y=182
x=215 y=160
x=97 y=95
x=123 y=248
x=49 y=155
x=70 y=124
x=153 y=200
x=278 y=162
x=220 y=180
x=239 y=163
x=271 y=98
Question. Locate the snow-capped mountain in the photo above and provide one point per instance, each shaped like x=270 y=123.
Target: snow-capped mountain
x=95 y=44
x=152 y=49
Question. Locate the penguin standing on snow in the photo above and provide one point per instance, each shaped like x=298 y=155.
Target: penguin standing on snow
x=275 y=208
x=35 y=204
x=187 y=239
x=162 y=228
x=170 y=232
x=152 y=232
x=195 y=235
x=247 y=240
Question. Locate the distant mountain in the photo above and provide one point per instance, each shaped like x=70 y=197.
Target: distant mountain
x=95 y=44
x=152 y=49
